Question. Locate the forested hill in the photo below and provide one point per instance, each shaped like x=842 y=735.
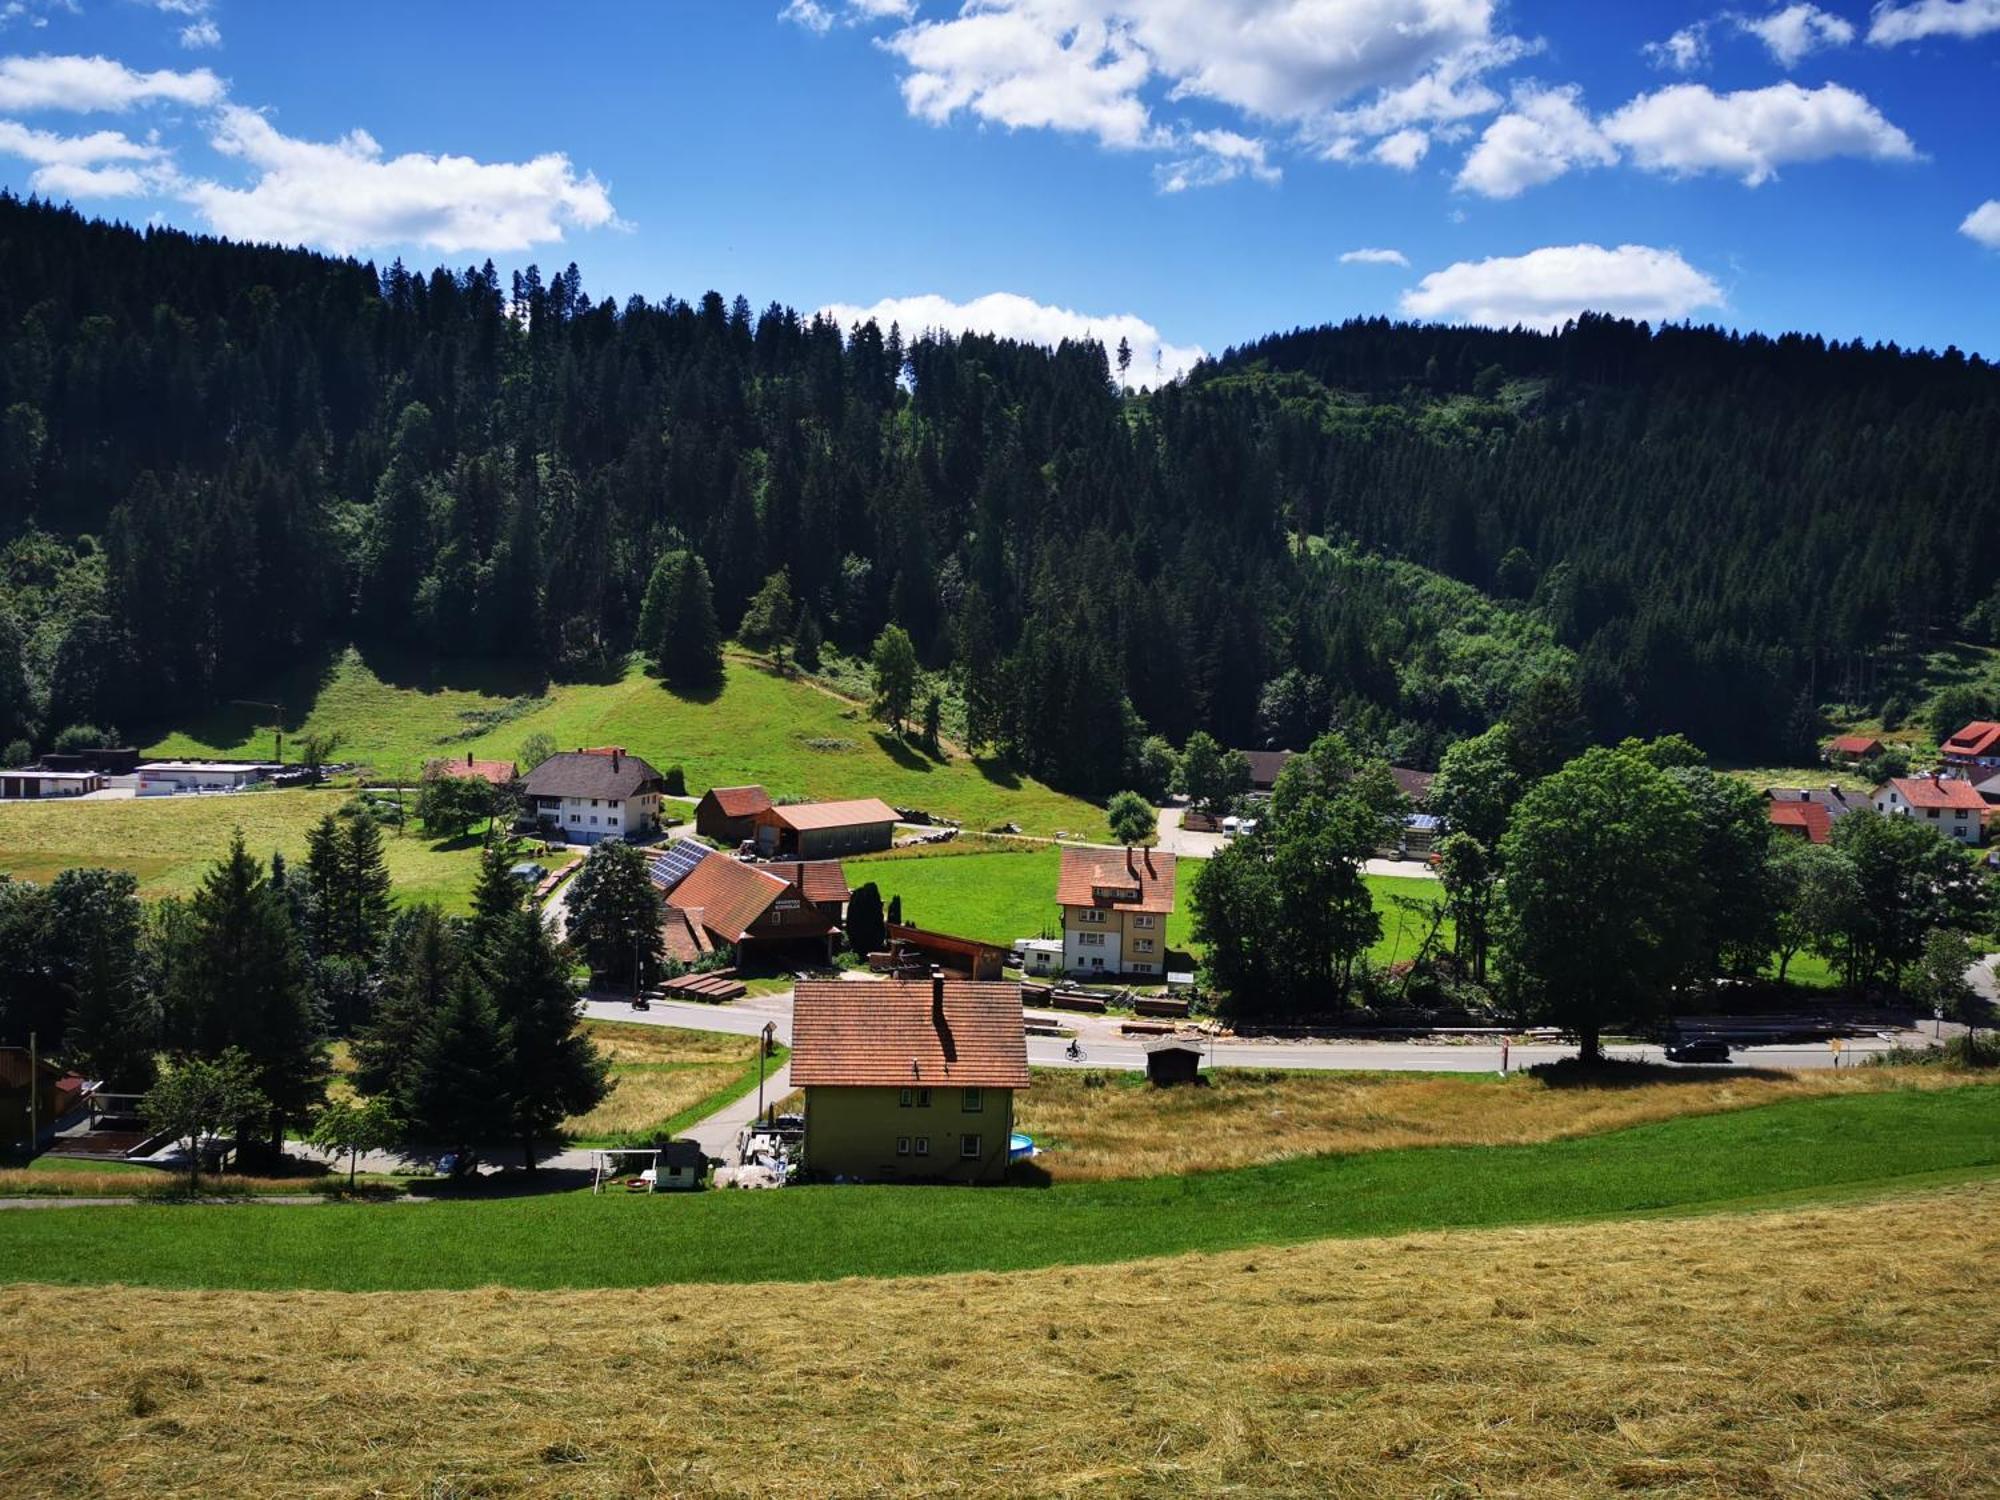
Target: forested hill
x=1714 y=521
x=217 y=461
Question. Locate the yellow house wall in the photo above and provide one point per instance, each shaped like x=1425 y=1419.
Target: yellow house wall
x=852 y=1132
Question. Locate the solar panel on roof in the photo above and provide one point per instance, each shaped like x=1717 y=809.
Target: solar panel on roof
x=675 y=863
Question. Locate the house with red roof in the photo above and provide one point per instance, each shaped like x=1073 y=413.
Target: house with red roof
x=826 y=830
x=910 y=1081
x=1115 y=904
x=1810 y=812
x=500 y=773
x=1978 y=745
x=1850 y=748
x=760 y=910
x=1952 y=806
x=728 y=814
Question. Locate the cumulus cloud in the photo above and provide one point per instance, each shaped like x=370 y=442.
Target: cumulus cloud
x=1890 y=25
x=1008 y=315
x=1212 y=157
x=103 y=164
x=1983 y=224
x=1797 y=31
x=346 y=196
x=1688 y=129
x=1547 y=287
x=1544 y=134
x=98 y=84
x=1402 y=150
x=1374 y=258
x=1683 y=52
x=199 y=29
x=1107 y=68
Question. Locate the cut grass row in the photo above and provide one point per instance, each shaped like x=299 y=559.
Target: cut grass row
x=785 y=734
x=805 y=1234
x=665 y=1080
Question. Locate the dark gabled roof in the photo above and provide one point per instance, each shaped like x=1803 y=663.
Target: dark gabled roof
x=591 y=773
x=1265 y=766
x=891 y=1034
x=1413 y=784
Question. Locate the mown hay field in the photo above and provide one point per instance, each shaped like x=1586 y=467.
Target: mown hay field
x=1837 y=1351
x=170 y=842
x=663 y=1079
x=1094 y=1126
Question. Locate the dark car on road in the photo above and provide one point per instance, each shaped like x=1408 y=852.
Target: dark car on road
x=1699 y=1049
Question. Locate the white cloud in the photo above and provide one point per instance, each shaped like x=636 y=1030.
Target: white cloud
x=1544 y=134
x=78 y=183
x=91 y=84
x=1683 y=52
x=1548 y=287
x=1374 y=258
x=198 y=34
x=345 y=196
x=1105 y=68
x=1215 y=156
x=1890 y=24
x=1402 y=150
x=1009 y=315
x=103 y=164
x=1687 y=129
x=821 y=15
x=200 y=30
x=1797 y=31
x=1983 y=224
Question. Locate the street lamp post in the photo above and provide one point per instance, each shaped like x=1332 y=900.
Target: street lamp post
x=763 y=1053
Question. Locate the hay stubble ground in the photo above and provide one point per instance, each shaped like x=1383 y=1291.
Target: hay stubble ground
x=1835 y=1351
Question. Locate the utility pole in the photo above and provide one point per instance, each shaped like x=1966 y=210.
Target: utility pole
x=34 y=1096
x=763 y=1052
x=278 y=730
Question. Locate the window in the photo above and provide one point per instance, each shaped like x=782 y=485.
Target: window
x=902 y=1145
x=1143 y=920
x=1091 y=939
x=1090 y=914
x=576 y=817
x=968 y=1147
x=923 y=1145
x=593 y=803
x=923 y=1098
x=975 y=1101
x=1142 y=945
x=903 y=1099
x=1931 y=812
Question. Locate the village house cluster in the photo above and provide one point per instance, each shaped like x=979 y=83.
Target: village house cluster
x=1956 y=797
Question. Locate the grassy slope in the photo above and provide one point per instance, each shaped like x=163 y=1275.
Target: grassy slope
x=788 y=735
x=666 y=1079
x=998 y=897
x=1821 y=1352
x=168 y=842
x=822 y=1233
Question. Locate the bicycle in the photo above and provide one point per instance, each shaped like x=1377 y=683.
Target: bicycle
x=1073 y=1052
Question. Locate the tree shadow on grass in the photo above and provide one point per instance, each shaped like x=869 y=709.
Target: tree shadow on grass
x=1028 y=1174
x=1619 y=1073
x=703 y=693
x=998 y=770
x=910 y=757
x=490 y=677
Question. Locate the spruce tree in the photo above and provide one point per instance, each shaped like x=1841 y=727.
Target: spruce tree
x=422 y=959
x=455 y=1091
x=555 y=1070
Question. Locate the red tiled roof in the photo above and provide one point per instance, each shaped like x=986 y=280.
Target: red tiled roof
x=683 y=935
x=498 y=772
x=889 y=1035
x=802 y=815
x=1938 y=791
x=1981 y=737
x=822 y=881
x=1855 y=744
x=1085 y=872
x=740 y=801
x=732 y=897
x=1808 y=818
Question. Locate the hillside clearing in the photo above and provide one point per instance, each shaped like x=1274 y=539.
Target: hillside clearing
x=788 y=735
x=1832 y=1351
x=1818 y=1146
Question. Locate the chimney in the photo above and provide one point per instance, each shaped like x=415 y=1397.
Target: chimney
x=614 y=760
x=937 y=995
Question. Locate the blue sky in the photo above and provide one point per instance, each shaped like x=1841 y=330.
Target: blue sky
x=1189 y=173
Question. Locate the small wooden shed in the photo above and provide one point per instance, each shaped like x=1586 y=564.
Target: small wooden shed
x=1177 y=1059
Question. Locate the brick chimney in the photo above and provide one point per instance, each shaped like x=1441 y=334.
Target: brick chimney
x=468 y=760
x=614 y=760
x=937 y=995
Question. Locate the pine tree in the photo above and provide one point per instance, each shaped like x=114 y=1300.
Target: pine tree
x=113 y=1028
x=556 y=1070
x=455 y=1091
x=677 y=626
x=243 y=983
x=614 y=914
x=422 y=960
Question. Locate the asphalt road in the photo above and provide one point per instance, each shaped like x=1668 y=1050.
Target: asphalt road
x=1105 y=1047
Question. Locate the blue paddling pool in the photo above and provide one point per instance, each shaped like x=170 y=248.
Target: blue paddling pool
x=1020 y=1147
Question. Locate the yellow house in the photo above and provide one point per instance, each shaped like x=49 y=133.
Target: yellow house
x=1115 y=904
x=906 y=1080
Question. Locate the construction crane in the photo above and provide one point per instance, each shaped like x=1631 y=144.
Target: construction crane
x=278 y=728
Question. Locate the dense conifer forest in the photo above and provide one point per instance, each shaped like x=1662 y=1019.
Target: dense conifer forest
x=219 y=460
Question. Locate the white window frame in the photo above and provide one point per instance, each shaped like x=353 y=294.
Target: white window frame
x=973 y=1102
x=969 y=1147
